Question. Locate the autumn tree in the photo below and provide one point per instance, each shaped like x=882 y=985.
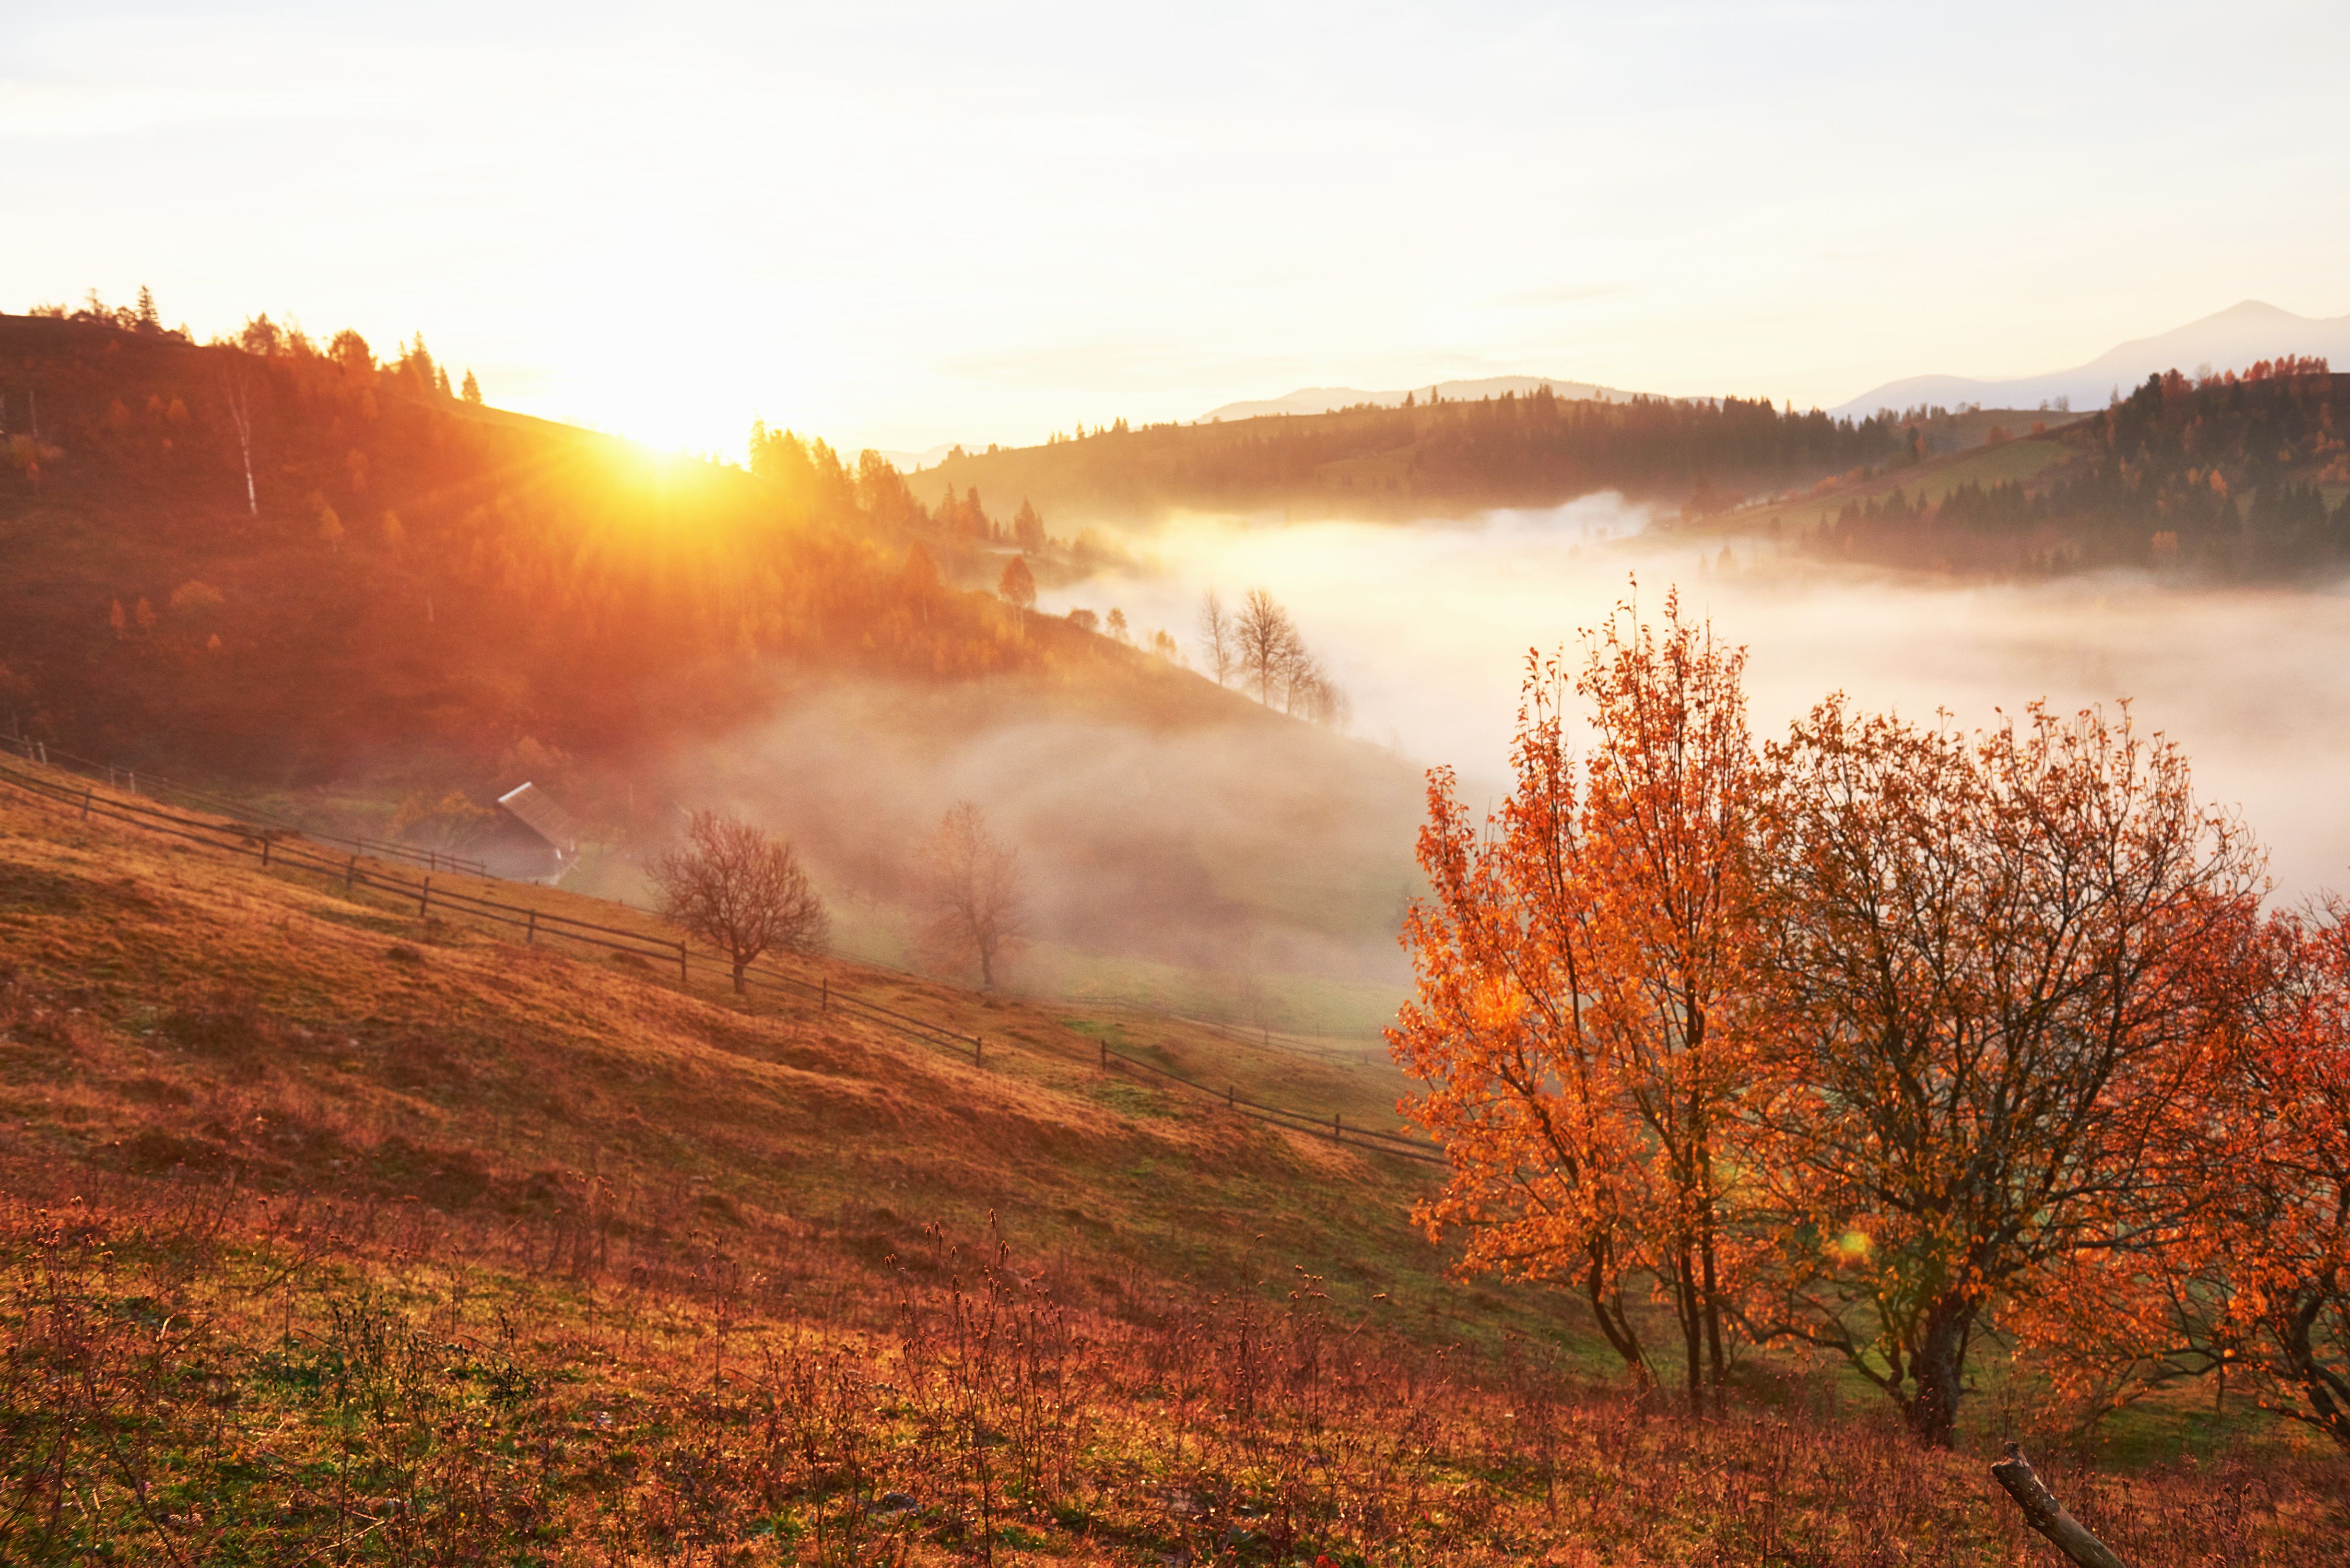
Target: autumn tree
x=1216 y=640
x=2248 y=1280
x=974 y=896
x=1578 y=1022
x=450 y=822
x=1991 y=963
x=2280 y=1186
x=741 y=890
x=1028 y=528
x=1263 y=640
x=1017 y=586
x=349 y=350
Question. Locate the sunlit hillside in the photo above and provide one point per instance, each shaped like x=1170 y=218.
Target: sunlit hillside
x=2236 y=477
x=425 y=600
x=291 y=561
x=336 y=1232
x=1450 y=458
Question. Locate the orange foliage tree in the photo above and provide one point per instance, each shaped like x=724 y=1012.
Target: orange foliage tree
x=1577 y=1023
x=2287 y=1266
x=1993 y=966
x=2253 y=1279
x=1876 y=1041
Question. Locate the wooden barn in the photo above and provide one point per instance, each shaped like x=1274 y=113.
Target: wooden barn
x=535 y=840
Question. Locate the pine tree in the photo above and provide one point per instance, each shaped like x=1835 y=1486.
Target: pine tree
x=473 y=388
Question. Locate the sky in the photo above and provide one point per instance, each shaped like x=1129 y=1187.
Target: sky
x=903 y=226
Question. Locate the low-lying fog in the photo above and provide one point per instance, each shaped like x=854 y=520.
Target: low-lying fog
x=1427 y=628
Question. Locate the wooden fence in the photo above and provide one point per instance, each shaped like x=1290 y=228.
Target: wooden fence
x=130 y=781
x=280 y=850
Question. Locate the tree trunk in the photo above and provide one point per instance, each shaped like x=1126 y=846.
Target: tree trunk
x=1692 y=1316
x=2046 y=1515
x=1939 y=1366
x=740 y=965
x=1613 y=1322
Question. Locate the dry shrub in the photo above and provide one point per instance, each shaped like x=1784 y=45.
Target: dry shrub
x=261 y=1380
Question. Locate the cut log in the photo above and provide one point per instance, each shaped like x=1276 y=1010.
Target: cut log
x=2046 y=1515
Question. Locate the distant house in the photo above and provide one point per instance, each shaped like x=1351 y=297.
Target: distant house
x=535 y=840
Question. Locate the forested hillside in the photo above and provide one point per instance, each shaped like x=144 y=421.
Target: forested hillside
x=2234 y=476
x=1450 y=458
x=278 y=560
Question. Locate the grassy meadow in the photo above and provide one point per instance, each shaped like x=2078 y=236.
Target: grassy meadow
x=329 y=1234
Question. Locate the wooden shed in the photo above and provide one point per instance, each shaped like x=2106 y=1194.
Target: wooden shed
x=535 y=839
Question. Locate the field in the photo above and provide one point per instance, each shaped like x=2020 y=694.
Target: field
x=334 y=1235
x=2024 y=459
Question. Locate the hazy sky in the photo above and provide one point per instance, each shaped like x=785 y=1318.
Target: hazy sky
x=902 y=224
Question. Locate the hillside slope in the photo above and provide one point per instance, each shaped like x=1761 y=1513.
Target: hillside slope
x=2232 y=478
x=334 y=1233
x=420 y=595
x=1446 y=459
x=413 y=575
x=172 y=1009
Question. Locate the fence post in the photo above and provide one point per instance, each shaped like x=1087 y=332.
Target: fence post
x=1337 y=1125
x=680 y=963
x=1232 y=1098
x=1105 y=1045
x=86 y=795
x=425 y=899
x=432 y=860
x=978 y=1050
x=134 y=781
x=264 y=849
x=350 y=873
x=530 y=938
x=43 y=746
x=823 y=995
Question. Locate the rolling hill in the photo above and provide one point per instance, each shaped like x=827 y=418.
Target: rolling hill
x=1330 y=400
x=2231 y=478
x=1436 y=459
x=333 y=1231
x=420 y=597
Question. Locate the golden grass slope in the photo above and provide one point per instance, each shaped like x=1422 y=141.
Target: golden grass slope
x=332 y=1235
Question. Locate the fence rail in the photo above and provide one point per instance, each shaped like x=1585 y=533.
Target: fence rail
x=275 y=852
x=159 y=787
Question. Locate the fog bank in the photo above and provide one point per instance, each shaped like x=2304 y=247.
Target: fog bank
x=1426 y=626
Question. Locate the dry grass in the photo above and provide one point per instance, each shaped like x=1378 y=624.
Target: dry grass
x=334 y=1237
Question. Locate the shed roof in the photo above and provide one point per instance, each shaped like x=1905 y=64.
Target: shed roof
x=538 y=811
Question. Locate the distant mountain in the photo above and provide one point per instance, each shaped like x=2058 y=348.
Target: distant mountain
x=1329 y=400
x=2233 y=340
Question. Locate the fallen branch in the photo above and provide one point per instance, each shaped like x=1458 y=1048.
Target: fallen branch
x=2046 y=1515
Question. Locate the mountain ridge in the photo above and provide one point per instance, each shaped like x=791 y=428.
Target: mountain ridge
x=1330 y=400
x=2232 y=340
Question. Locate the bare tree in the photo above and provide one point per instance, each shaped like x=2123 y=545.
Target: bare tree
x=1265 y=639
x=740 y=891
x=1216 y=636
x=240 y=415
x=974 y=893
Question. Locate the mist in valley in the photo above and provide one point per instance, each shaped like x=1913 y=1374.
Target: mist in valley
x=1237 y=859
x=1229 y=863
x=1427 y=628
